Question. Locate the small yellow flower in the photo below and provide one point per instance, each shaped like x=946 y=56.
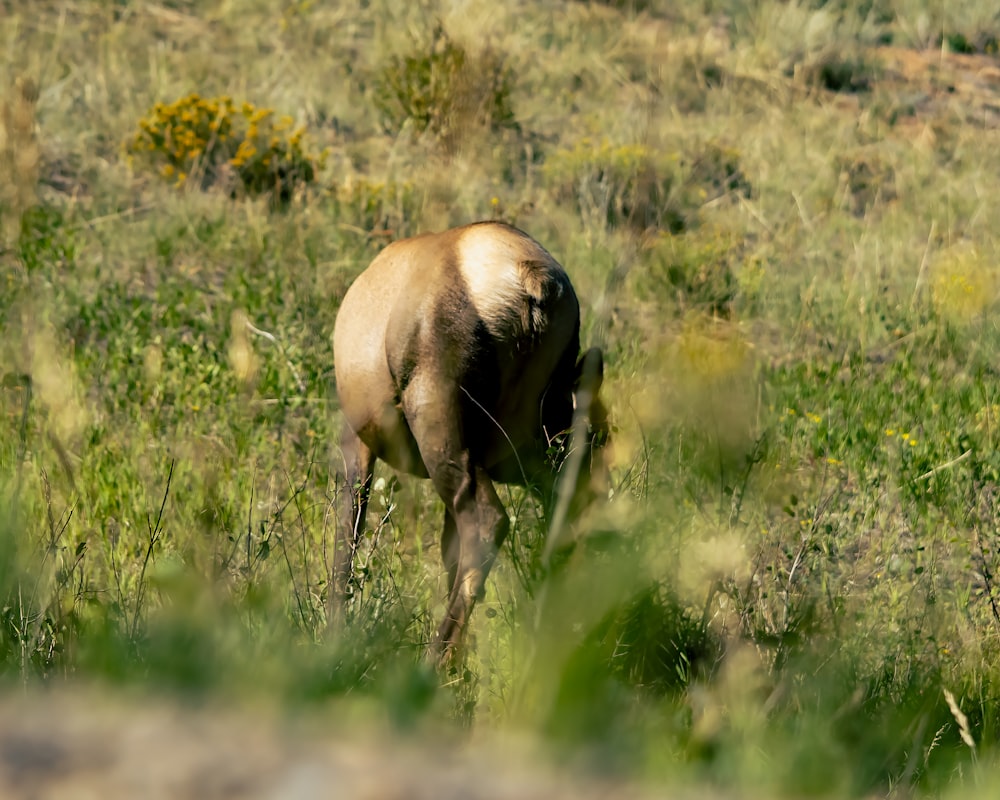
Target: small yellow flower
x=246 y=149
x=890 y=432
x=814 y=418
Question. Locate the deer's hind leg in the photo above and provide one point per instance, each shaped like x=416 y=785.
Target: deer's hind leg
x=481 y=525
x=475 y=519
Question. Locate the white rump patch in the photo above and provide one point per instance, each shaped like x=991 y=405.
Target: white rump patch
x=502 y=272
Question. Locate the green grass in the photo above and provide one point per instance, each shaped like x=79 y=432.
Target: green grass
x=794 y=279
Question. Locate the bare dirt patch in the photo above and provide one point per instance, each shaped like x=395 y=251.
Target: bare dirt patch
x=938 y=83
x=84 y=744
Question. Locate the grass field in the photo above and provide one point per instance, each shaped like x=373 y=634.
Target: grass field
x=781 y=220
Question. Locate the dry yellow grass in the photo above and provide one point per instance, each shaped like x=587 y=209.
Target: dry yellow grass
x=19 y=153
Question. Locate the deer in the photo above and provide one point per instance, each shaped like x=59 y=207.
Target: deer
x=457 y=358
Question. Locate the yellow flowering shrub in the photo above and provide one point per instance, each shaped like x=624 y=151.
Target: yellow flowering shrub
x=964 y=284
x=214 y=140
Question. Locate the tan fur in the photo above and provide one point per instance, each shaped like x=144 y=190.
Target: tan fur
x=454 y=354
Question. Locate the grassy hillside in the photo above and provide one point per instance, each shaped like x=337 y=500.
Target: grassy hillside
x=781 y=220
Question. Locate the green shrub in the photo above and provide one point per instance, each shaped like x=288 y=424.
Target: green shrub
x=656 y=642
x=46 y=239
x=444 y=90
x=866 y=181
x=689 y=83
x=980 y=42
x=696 y=269
x=713 y=170
x=627 y=6
x=388 y=206
x=620 y=185
x=836 y=71
x=633 y=186
x=211 y=141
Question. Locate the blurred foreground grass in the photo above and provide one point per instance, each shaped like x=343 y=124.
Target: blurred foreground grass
x=779 y=220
